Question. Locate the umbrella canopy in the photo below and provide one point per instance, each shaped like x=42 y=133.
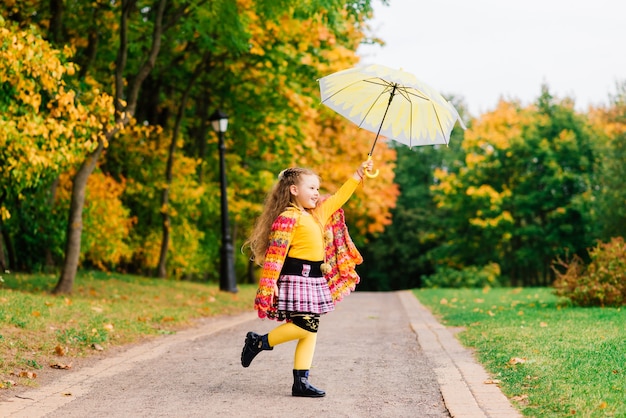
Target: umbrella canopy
x=391 y=103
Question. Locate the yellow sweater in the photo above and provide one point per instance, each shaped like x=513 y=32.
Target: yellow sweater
x=307 y=242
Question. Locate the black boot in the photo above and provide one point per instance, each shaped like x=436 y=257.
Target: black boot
x=254 y=344
x=302 y=387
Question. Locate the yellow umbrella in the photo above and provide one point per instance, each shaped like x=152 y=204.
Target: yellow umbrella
x=392 y=103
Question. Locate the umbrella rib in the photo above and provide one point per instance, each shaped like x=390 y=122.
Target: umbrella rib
x=374 y=104
x=419 y=96
x=352 y=84
x=408 y=98
x=439 y=123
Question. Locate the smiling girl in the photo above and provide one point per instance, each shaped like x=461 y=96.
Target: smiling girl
x=308 y=262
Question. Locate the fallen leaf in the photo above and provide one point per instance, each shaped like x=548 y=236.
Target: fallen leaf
x=97 y=347
x=28 y=375
x=36 y=314
x=520 y=398
x=491 y=313
x=60 y=351
x=61 y=366
x=24 y=373
x=97 y=309
x=491 y=381
x=108 y=327
x=67 y=394
x=517 y=360
x=603 y=405
x=543 y=324
x=443 y=301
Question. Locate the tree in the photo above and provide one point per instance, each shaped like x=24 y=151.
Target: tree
x=609 y=189
x=519 y=200
x=45 y=127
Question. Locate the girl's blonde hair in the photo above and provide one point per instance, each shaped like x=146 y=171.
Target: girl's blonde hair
x=276 y=202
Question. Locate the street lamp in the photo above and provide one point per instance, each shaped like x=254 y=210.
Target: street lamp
x=219 y=120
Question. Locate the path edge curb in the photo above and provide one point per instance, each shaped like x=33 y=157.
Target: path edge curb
x=461 y=378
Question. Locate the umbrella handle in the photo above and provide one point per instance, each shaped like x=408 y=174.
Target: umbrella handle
x=373 y=173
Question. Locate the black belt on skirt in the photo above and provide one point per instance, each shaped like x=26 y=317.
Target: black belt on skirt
x=299 y=267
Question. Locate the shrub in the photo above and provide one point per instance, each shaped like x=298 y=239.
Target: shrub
x=473 y=276
x=601 y=283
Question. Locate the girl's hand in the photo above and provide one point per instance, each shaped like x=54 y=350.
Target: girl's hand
x=363 y=167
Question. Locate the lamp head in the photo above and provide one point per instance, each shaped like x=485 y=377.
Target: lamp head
x=219 y=121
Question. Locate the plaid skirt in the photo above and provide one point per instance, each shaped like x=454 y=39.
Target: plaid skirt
x=303 y=288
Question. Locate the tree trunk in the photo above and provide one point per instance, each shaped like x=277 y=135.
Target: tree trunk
x=51 y=198
x=12 y=259
x=75 y=222
x=201 y=134
x=3 y=260
x=56 y=21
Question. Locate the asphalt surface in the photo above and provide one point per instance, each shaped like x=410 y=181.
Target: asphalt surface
x=378 y=355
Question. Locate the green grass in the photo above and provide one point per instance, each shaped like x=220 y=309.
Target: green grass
x=571 y=361
x=104 y=310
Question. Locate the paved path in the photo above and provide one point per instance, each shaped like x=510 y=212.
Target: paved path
x=378 y=355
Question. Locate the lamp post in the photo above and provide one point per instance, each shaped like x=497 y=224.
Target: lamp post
x=219 y=120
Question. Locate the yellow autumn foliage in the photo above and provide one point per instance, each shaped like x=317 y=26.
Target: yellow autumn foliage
x=45 y=128
x=106 y=222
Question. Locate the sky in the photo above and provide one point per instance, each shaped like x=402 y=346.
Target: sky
x=485 y=50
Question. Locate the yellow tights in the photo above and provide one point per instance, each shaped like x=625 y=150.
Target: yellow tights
x=305 y=349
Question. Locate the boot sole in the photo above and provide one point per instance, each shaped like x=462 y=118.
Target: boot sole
x=302 y=395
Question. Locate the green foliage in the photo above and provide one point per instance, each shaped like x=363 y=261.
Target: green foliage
x=37 y=228
x=600 y=283
x=472 y=276
x=552 y=360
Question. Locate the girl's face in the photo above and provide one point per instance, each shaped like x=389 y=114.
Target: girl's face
x=306 y=192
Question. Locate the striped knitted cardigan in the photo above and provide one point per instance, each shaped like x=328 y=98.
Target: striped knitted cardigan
x=341 y=254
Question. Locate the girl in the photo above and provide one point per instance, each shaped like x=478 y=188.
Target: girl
x=308 y=264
